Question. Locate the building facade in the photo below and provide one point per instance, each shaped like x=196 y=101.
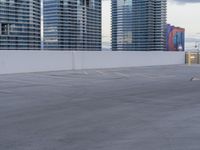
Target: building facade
x=72 y=25
x=20 y=24
x=139 y=25
x=175 y=38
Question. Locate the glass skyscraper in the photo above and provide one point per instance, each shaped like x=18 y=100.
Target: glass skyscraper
x=20 y=24
x=72 y=25
x=139 y=25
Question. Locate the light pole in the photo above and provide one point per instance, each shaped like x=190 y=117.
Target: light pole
x=197 y=45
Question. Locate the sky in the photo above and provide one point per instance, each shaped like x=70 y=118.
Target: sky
x=181 y=13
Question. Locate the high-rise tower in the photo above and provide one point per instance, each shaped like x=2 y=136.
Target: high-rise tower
x=20 y=24
x=72 y=24
x=138 y=25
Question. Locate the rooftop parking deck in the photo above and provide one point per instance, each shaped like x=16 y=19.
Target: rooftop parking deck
x=139 y=108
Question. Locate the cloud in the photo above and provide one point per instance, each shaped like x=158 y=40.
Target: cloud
x=192 y=40
x=187 y=1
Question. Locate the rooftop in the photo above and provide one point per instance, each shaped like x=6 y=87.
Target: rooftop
x=141 y=108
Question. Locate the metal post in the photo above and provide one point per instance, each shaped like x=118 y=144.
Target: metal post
x=198 y=52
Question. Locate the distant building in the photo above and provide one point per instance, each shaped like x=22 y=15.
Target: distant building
x=72 y=25
x=175 y=38
x=20 y=24
x=138 y=25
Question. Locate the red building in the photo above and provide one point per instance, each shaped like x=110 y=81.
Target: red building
x=175 y=38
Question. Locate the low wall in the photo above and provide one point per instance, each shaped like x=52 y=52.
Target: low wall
x=36 y=61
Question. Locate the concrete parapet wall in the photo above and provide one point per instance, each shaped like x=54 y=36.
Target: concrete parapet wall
x=37 y=61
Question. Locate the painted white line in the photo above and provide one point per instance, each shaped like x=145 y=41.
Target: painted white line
x=122 y=74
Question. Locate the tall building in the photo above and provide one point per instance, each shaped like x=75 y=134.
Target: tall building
x=19 y=24
x=72 y=25
x=139 y=25
x=175 y=38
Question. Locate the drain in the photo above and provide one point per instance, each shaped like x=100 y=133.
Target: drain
x=195 y=79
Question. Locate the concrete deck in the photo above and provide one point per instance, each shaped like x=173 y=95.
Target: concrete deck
x=144 y=108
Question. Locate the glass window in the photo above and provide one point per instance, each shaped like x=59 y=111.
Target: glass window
x=124 y=2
